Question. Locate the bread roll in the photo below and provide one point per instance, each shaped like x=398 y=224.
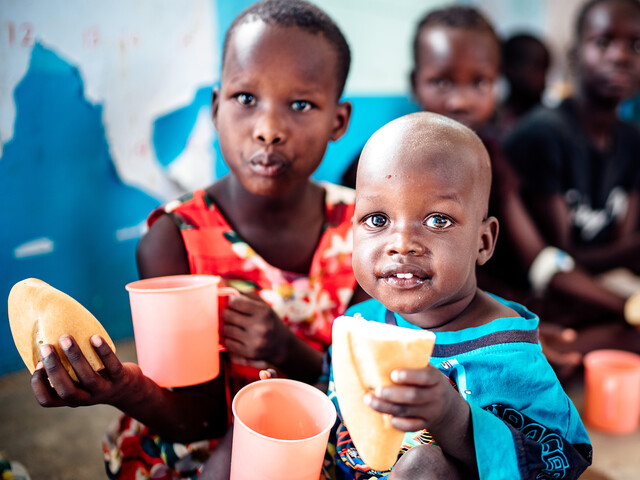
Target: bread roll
x=39 y=314
x=363 y=356
x=632 y=309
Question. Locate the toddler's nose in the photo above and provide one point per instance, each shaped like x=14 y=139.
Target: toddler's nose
x=405 y=240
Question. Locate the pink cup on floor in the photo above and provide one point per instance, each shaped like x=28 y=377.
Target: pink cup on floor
x=612 y=390
x=281 y=430
x=175 y=326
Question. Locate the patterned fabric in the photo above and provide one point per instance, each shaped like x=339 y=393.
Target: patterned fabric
x=524 y=425
x=307 y=303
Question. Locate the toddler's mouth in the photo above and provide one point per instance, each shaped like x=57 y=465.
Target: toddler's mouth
x=404 y=278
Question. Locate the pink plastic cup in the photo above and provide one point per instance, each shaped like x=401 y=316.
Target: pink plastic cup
x=175 y=327
x=612 y=390
x=281 y=430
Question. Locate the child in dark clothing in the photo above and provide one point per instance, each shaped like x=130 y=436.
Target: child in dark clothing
x=457 y=63
x=421 y=227
x=579 y=162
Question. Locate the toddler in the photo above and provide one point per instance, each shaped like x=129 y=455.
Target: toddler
x=489 y=405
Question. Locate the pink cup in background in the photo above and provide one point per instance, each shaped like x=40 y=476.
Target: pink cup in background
x=612 y=390
x=175 y=326
x=281 y=430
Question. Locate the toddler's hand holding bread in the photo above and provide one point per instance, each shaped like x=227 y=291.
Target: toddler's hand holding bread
x=364 y=355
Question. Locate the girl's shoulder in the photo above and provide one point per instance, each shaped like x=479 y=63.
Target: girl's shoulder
x=339 y=203
x=189 y=211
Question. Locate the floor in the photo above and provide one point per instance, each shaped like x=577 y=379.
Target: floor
x=64 y=443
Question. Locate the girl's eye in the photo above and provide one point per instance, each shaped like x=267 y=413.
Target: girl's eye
x=635 y=46
x=441 y=83
x=301 y=106
x=438 y=221
x=484 y=84
x=602 y=42
x=245 y=99
x=375 y=221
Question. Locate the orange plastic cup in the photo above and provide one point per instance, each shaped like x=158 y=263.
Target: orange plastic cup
x=612 y=390
x=175 y=327
x=281 y=430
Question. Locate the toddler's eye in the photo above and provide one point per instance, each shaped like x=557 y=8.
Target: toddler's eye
x=245 y=99
x=635 y=46
x=375 y=221
x=602 y=42
x=301 y=106
x=438 y=222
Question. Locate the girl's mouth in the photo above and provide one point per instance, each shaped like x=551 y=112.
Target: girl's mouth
x=267 y=165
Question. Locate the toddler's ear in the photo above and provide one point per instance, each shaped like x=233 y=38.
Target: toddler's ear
x=487 y=241
x=215 y=102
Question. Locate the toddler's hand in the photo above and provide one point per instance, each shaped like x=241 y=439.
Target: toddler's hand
x=420 y=399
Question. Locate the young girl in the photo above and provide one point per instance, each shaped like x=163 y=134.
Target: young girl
x=266 y=228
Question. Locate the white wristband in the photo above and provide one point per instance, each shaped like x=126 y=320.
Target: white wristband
x=549 y=261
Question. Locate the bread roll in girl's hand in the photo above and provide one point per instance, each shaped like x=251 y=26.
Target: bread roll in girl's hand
x=363 y=356
x=39 y=314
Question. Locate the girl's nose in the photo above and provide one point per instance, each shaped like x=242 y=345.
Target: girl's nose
x=269 y=126
x=458 y=100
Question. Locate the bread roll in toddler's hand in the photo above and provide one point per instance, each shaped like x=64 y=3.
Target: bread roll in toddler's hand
x=39 y=314
x=363 y=356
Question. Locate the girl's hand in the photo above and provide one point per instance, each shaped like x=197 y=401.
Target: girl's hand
x=53 y=387
x=420 y=399
x=251 y=329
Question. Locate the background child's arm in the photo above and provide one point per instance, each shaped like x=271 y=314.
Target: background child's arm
x=424 y=399
x=624 y=250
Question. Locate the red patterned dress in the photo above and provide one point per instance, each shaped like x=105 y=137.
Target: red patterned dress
x=307 y=303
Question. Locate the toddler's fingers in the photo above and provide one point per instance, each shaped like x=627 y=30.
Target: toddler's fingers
x=423 y=377
x=396 y=409
x=406 y=395
x=408 y=424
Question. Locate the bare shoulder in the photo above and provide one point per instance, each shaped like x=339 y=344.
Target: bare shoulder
x=161 y=250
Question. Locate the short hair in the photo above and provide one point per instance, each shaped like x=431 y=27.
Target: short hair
x=586 y=9
x=301 y=14
x=455 y=16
